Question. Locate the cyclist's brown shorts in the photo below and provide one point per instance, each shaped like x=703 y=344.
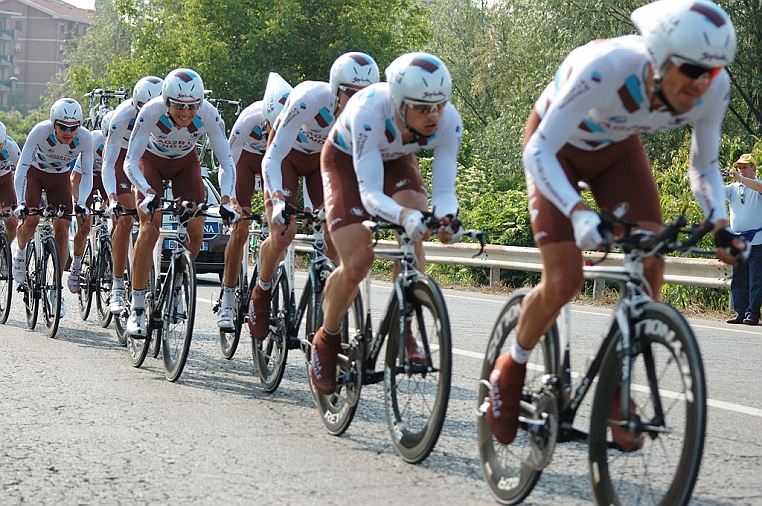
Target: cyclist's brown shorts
x=123 y=184
x=97 y=186
x=297 y=164
x=342 y=193
x=184 y=172
x=57 y=188
x=7 y=191
x=247 y=169
x=619 y=177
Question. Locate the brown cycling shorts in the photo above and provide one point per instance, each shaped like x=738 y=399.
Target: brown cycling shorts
x=7 y=191
x=184 y=172
x=342 y=193
x=123 y=184
x=97 y=186
x=619 y=177
x=57 y=188
x=297 y=164
x=247 y=169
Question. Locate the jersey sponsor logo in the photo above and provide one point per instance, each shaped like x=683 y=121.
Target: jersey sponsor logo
x=401 y=183
x=357 y=211
x=324 y=118
x=579 y=89
x=335 y=221
x=621 y=209
x=360 y=143
x=292 y=113
x=389 y=131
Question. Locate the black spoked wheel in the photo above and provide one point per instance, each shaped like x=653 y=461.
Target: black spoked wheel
x=179 y=312
x=270 y=354
x=668 y=406
x=31 y=287
x=120 y=320
x=416 y=395
x=229 y=339
x=6 y=278
x=86 y=282
x=338 y=409
x=154 y=333
x=507 y=468
x=104 y=279
x=138 y=347
x=51 y=287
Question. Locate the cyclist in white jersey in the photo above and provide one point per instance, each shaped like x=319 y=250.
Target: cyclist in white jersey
x=248 y=142
x=294 y=150
x=44 y=165
x=369 y=168
x=84 y=223
x=9 y=158
x=115 y=181
x=162 y=148
x=585 y=127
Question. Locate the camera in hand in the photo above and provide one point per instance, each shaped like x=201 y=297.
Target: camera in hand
x=725 y=172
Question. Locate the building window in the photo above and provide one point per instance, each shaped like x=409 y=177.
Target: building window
x=17 y=47
x=18 y=26
x=16 y=70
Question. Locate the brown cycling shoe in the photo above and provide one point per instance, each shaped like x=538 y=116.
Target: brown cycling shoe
x=506 y=381
x=415 y=353
x=259 y=313
x=325 y=352
x=627 y=440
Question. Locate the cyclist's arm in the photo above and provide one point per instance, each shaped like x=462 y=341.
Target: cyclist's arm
x=36 y=136
x=222 y=152
x=135 y=149
x=86 y=184
x=445 y=166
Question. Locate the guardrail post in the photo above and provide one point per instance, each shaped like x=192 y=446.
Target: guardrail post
x=599 y=285
x=494 y=276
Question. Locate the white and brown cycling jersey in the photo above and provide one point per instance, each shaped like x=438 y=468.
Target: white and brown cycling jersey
x=44 y=153
x=122 y=122
x=155 y=134
x=9 y=158
x=599 y=97
x=368 y=132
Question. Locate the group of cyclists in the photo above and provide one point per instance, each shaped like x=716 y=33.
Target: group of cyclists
x=353 y=140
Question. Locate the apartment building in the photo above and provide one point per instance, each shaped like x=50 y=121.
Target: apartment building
x=33 y=35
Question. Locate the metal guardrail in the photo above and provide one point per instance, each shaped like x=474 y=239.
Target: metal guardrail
x=678 y=271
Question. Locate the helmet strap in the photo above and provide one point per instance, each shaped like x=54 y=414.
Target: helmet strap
x=658 y=92
x=402 y=111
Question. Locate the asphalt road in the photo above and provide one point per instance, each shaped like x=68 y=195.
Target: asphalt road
x=80 y=425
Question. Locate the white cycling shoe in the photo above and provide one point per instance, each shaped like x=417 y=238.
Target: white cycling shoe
x=116 y=303
x=18 y=269
x=225 y=318
x=136 y=323
x=73 y=281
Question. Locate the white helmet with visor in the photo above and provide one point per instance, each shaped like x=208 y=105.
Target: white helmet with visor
x=182 y=86
x=67 y=111
x=418 y=78
x=145 y=89
x=276 y=94
x=354 y=69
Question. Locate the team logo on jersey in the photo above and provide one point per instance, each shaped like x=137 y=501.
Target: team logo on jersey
x=401 y=183
x=621 y=209
x=164 y=124
x=324 y=118
x=357 y=211
x=630 y=94
x=389 y=131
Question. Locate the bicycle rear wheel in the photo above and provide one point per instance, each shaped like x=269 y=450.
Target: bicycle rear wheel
x=85 y=294
x=271 y=353
x=668 y=389
x=6 y=278
x=417 y=395
x=338 y=409
x=229 y=340
x=104 y=278
x=120 y=320
x=51 y=287
x=178 y=314
x=31 y=288
x=139 y=347
x=507 y=468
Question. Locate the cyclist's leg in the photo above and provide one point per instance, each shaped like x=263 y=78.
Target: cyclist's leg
x=120 y=246
x=26 y=228
x=7 y=198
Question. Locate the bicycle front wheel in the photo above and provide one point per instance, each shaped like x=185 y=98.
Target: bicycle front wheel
x=507 y=469
x=668 y=391
x=85 y=293
x=417 y=395
x=6 y=278
x=31 y=288
x=51 y=287
x=104 y=279
x=271 y=353
x=178 y=314
x=120 y=320
x=229 y=339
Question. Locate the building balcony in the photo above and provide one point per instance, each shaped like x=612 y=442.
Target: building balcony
x=7 y=59
x=6 y=34
x=6 y=85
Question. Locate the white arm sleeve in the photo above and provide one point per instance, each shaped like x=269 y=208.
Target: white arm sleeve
x=227 y=168
x=137 y=146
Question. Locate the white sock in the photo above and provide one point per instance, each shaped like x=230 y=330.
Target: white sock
x=76 y=263
x=20 y=253
x=228 y=295
x=118 y=283
x=265 y=285
x=139 y=298
x=519 y=354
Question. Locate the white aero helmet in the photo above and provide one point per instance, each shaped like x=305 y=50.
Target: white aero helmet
x=106 y=122
x=695 y=31
x=353 y=69
x=418 y=77
x=276 y=93
x=3 y=134
x=145 y=89
x=182 y=85
x=66 y=110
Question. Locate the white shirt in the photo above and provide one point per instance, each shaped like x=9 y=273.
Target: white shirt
x=368 y=131
x=97 y=154
x=745 y=209
x=600 y=96
x=118 y=138
x=155 y=131
x=247 y=134
x=9 y=156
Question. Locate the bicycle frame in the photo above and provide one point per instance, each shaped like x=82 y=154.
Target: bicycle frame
x=179 y=237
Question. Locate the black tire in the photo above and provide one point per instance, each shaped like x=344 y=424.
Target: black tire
x=120 y=321
x=6 y=278
x=138 y=348
x=229 y=340
x=667 y=359
x=155 y=330
x=338 y=409
x=416 y=402
x=178 y=316
x=104 y=279
x=32 y=288
x=86 y=282
x=505 y=469
x=51 y=287
x=271 y=353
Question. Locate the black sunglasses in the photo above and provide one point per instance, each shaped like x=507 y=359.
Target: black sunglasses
x=348 y=91
x=693 y=71
x=67 y=128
